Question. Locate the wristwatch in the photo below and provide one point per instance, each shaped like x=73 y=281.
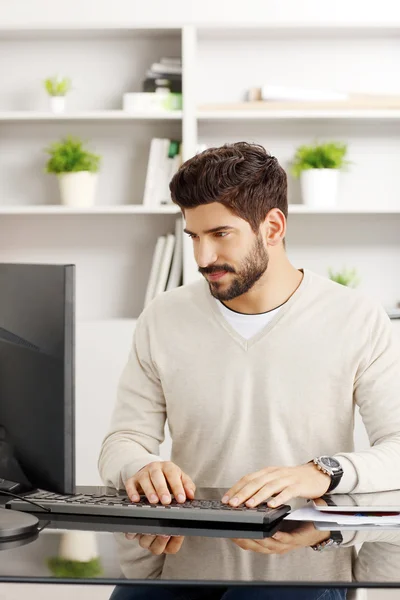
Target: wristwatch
x=334 y=540
x=331 y=467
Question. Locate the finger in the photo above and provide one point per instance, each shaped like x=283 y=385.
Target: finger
x=267 y=546
x=173 y=476
x=130 y=536
x=159 y=482
x=131 y=490
x=157 y=547
x=287 y=494
x=174 y=544
x=284 y=538
x=247 y=491
x=147 y=486
x=146 y=540
x=189 y=485
x=264 y=494
x=234 y=490
x=270 y=547
x=243 y=544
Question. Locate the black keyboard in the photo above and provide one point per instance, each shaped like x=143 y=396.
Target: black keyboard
x=121 y=506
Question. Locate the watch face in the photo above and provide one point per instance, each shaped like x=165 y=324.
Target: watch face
x=330 y=462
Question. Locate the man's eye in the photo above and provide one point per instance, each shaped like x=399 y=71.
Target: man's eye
x=221 y=234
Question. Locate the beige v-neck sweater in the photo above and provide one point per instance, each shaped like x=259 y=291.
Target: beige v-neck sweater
x=282 y=397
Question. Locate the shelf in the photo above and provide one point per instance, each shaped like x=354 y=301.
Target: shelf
x=128 y=209
x=51 y=31
x=293 y=30
x=101 y=115
x=271 y=115
x=139 y=209
x=301 y=209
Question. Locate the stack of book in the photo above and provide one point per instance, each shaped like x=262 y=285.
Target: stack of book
x=164 y=75
x=164 y=160
x=167 y=264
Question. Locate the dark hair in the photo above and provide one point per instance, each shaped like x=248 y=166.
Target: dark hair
x=242 y=176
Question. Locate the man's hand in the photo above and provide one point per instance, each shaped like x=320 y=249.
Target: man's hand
x=304 y=481
x=158 y=544
x=153 y=481
x=282 y=542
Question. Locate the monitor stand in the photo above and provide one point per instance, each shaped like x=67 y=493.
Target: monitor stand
x=15 y=524
x=10 y=469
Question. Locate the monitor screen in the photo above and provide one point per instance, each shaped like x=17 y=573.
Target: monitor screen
x=37 y=334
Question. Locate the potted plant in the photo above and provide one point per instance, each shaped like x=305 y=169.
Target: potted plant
x=57 y=87
x=346 y=277
x=318 y=167
x=77 y=556
x=76 y=169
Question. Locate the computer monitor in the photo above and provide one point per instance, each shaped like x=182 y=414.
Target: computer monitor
x=37 y=339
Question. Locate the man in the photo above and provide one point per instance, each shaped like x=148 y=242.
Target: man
x=259 y=365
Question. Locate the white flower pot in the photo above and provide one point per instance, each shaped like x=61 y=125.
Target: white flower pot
x=319 y=187
x=57 y=104
x=78 y=189
x=78 y=545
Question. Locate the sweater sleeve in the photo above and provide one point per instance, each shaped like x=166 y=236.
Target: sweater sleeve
x=138 y=419
x=377 y=393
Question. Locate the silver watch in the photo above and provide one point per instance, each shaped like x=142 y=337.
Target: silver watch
x=332 y=467
x=333 y=541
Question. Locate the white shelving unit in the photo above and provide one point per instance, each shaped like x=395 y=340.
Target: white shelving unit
x=112 y=255
x=106 y=62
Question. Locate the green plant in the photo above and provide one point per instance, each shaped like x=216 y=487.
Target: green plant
x=319 y=156
x=346 y=277
x=61 y=567
x=69 y=156
x=57 y=86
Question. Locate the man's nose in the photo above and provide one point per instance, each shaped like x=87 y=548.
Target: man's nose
x=205 y=254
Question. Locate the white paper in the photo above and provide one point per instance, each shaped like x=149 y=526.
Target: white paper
x=309 y=513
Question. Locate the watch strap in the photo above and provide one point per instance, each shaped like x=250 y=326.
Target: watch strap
x=335 y=476
x=335 y=539
x=335 y=480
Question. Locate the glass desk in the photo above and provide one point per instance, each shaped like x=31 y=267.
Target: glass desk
x=205 y=562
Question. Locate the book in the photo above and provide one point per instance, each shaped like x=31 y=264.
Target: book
x=165 y=69
x=354 y=102
x=175 y=274
x=155 y=269
x=164 y=160
x=165 y=264
x=171 y=61
x=154 y=165
x=281 y=92
x=169 y=168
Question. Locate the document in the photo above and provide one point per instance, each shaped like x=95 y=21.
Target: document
x=309 y=513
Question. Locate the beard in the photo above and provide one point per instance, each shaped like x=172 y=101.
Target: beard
x=251 y=270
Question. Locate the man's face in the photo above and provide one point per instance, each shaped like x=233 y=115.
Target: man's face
x=228 y=253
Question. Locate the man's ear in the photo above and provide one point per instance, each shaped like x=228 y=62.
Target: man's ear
x=275 y=227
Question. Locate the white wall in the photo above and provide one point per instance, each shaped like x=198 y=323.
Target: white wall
x=102 y=349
